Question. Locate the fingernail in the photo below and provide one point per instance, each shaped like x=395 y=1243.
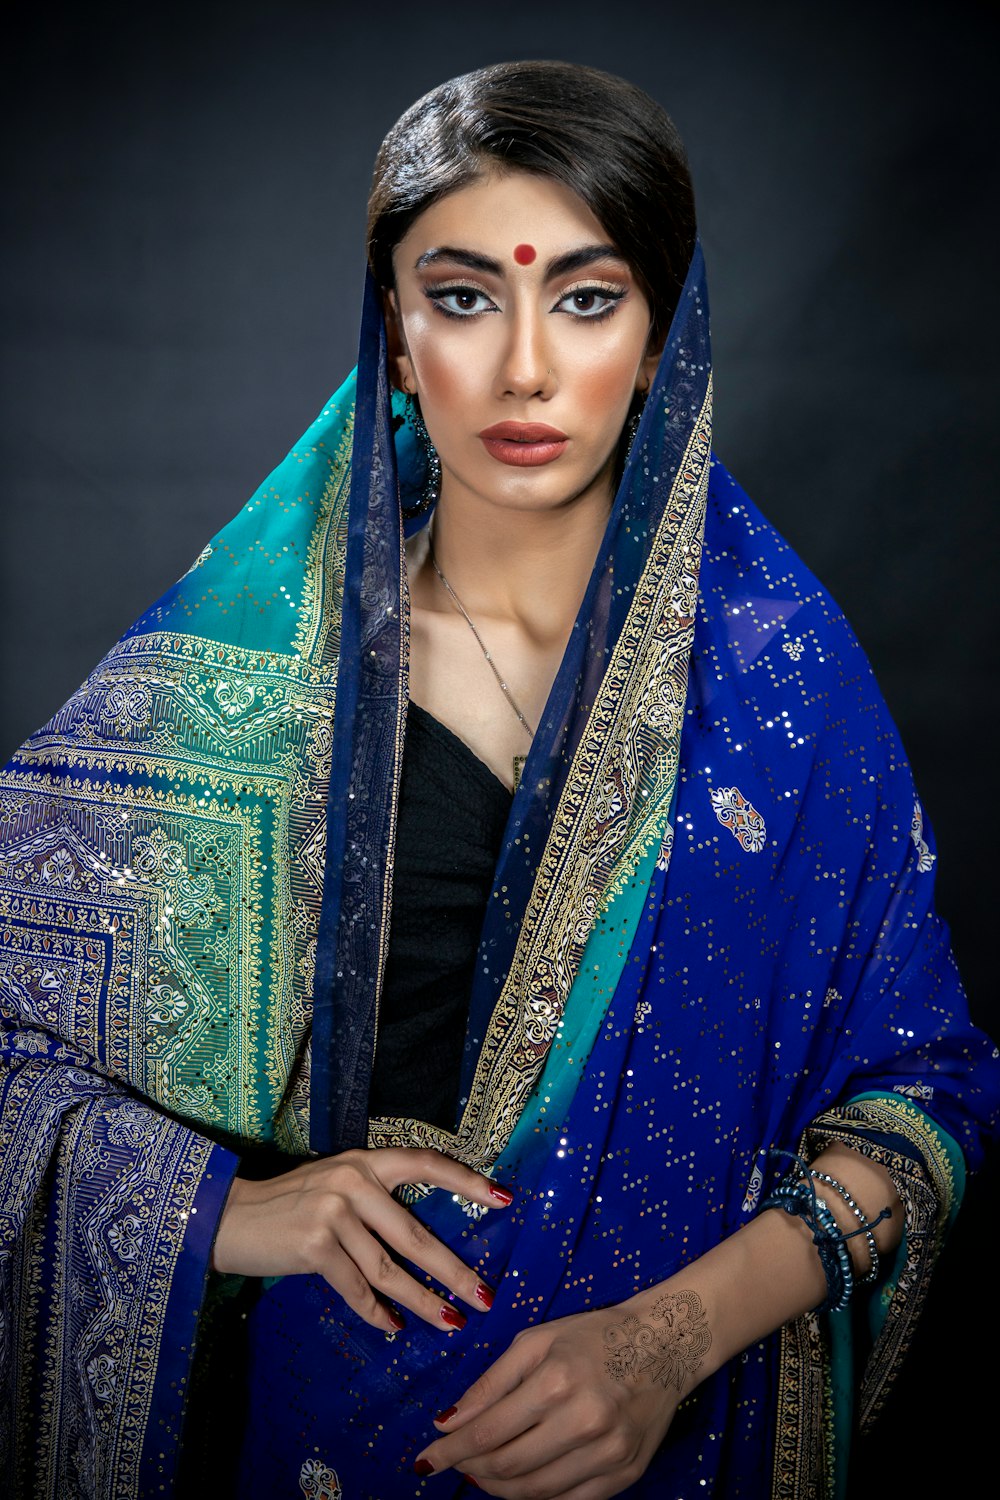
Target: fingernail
x=501 y=1195
x=452 y=1316
x=395 y=1319
x=447 y=1414
x=469 y=1480
x=423 y=1466
x=485 y=1295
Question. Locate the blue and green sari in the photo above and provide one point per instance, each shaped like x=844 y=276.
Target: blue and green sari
x=711 y=935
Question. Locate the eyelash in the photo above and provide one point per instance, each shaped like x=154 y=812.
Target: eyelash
x=613 y=295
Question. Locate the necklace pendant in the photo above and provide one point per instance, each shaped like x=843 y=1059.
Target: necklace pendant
x=519 y=761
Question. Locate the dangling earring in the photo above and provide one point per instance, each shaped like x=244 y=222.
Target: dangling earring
x=627 y=440
x=432 y=484
x=632 y=425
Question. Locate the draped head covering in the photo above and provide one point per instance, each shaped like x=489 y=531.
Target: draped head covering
x=710 y=934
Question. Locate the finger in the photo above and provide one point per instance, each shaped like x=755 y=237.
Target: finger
x=386 y=1277
x=345 y=1276
x=394 y=1165
x=555 y=1458
x=404 y=1233
x=552 y=1486
x=504 y=1440
x=503 y=1376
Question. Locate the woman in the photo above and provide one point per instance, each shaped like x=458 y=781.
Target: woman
x=497 y=820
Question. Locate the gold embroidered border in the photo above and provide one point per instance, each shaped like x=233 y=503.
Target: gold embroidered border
x=803 y=1464
x=803 y=1421
x=927 y=1192
x=317 y=634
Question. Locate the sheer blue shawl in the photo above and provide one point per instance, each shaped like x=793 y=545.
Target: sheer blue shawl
x=711 y=934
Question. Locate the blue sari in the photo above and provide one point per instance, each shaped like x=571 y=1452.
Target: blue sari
x=711 y=935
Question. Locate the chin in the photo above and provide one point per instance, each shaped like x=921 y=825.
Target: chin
x=541 y=489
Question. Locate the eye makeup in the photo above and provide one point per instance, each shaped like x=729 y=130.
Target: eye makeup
x=610 y=294
x=437 y=296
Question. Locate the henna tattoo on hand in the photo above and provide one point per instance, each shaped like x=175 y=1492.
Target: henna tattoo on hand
x=669 y=1353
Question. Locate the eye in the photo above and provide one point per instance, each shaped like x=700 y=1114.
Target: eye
x=460 y=301
x=590 y=302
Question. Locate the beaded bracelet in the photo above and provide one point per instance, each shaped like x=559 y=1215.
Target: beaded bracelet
x=797 y=1196
x=867 y=1225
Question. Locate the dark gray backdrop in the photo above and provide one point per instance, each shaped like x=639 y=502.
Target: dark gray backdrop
x=183 y=261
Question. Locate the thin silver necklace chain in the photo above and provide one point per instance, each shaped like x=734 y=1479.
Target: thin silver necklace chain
x=482 y=644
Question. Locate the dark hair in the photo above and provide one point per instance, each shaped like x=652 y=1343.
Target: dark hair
x=602 y=137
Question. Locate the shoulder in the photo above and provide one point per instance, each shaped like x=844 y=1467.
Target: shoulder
x=767 y=620
x=779 y=675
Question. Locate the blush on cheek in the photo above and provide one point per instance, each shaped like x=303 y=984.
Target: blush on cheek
x=602 y=397
x=448 y=392
x=445 y=383
x=601 y=388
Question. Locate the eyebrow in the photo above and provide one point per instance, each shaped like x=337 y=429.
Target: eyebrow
x=561 y=265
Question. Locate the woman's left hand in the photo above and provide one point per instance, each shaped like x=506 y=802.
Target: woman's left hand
x=554 y=1417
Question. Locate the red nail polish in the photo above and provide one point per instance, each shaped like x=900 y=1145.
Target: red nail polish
x=501 y=1195
x=423 y=1466
x=395 y=1319
x=447 y=1414
x=469 y=1480
x=452 y=1316
x=485 y=1295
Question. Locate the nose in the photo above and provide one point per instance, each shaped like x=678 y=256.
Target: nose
x=525 y=367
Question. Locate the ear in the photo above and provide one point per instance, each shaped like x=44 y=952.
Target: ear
x=648 y=367
x=400 y=368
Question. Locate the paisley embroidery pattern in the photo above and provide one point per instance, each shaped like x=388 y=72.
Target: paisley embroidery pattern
x=925 y=859
x=741 y=818
x=318 y=1481
x=127 y=707
x=754 y=1186
x=921 y=1091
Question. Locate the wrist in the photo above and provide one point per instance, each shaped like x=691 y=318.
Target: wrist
x=667 y=1333
x=746 y=1287
x=219 y=1260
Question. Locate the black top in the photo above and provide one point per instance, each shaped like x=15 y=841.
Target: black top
x=450 y=823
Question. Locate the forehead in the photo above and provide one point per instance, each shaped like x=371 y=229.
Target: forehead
x=499 y=212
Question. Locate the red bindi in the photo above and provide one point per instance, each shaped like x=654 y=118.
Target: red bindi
x=524 y=254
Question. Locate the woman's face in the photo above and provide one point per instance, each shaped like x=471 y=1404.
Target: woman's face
x=511 y=307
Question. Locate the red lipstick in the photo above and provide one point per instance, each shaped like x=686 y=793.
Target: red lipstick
x=523 y=444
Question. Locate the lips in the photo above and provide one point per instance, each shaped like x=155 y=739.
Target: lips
x=523 y=444
x=524 y=432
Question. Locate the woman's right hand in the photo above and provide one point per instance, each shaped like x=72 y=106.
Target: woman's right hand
x=336 y=1217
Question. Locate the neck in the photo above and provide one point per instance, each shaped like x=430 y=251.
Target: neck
x=530 y=568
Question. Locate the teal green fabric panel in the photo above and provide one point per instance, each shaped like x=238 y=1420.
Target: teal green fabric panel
x=246 y=588
x=593 y=990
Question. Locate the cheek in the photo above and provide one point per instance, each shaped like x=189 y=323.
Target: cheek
x=605 y=388
x=441 y=361
x=443 y=382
